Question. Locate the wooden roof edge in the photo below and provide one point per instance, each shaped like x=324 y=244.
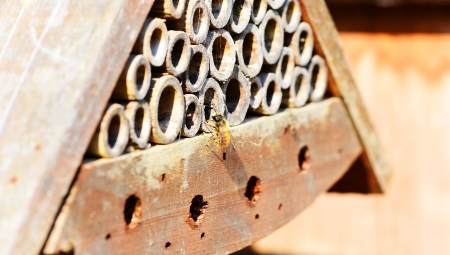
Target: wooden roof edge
x=342 y=84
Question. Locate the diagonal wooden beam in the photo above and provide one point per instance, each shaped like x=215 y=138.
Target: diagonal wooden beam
x=59 y=61
x=342 y=84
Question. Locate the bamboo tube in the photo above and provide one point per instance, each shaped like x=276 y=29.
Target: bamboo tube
x=300 y=89
x=134 y=81
x=271 y=95
x=167 y=109
x=291 y=16
x=272 y=34
x=248 y=48
x=211 y=95
x=318 y=72
x=259 y=9
x=138 y=116
x=152 y=41
x=285 y=68
x=240 y=16
x=178 y=53
x=194 y=21
x=221 y=53
x=168 y=9
x=237 y=97
x=198 y=69
x=219 y=12
x=111 y=137
x=255 y=92
x=302 y=44
x=193 y=117
x=276 y=4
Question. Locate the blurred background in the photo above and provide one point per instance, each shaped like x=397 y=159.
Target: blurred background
x=399 y=52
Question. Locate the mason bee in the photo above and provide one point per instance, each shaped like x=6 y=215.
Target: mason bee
x=220 y=128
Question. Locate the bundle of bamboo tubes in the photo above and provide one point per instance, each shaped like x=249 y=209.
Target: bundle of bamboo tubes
x=195 y=59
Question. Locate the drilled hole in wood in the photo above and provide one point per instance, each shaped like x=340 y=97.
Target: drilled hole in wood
x=256 y=216
x=253 y=189
x=197 y=210
x=108 y=236
x=167 y=244
x=163 y=177
x=133 y=211
x=280 y=206
x=304 y=158
x=202 y=235
x=224 y=156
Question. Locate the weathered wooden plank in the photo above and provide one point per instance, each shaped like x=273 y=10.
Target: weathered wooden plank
x=342 y=84
x=59 y=61
x=166 y=178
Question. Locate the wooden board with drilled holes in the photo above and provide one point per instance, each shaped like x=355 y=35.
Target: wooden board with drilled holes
x=59 y=62
x=342 y=84
x=167 y=178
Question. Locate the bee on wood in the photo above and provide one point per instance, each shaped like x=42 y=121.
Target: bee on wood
x=220 y=129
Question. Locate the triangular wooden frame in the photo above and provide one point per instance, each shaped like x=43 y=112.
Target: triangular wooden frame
x=40 y=68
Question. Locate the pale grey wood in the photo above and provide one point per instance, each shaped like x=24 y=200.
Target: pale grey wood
x=59 y=62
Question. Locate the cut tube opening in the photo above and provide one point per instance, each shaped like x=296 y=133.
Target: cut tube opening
x=140 y=77
x=194 y=69
x=254 y=90
x=241 y=13
x=166 y=103
x=209 y=98
x=271 y=90
x=113 y=130
x=217 y=8
x=297 y=84
x=233 y=95
x=175 y=3
x=191 y=115
x=284 y=65
x=256 y=7
x=198 y=20
x=221 y=50
x=250 y=46
x=315 y=76
x=179 y=50
x=155 y=41
x=272 y=34
x=302 y=41
x=238 y=8
x=139 y=121
x=290 y=11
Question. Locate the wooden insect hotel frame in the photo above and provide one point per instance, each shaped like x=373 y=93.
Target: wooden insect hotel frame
x=105 y=146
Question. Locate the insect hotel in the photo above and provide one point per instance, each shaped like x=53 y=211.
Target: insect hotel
x=173 y=126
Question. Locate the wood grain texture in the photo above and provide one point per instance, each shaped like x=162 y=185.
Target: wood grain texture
x=166 y=178
x=341 y=83
x=59 y=62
